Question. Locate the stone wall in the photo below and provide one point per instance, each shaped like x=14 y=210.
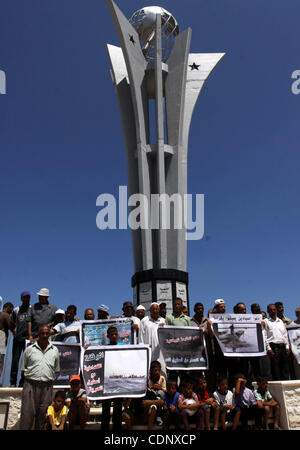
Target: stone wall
x=287 y=393
x=13 y=396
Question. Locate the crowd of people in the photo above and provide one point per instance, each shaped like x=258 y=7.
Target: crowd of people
x=224 y=392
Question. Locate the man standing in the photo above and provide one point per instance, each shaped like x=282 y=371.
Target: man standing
x=42 y=313
x=201 y=321
x=177 y=318
x=19 y=317
x=148 y=334
x=5 y=325
x=89 y=314
x=140 y=312
x=280 y=313
x=277 y=345
x=68 y=331
x=163 y=309
x=103 y=312
x=40 y=365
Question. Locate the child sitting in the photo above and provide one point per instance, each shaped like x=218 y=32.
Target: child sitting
x=188 y=406
x=265 y=402
x=146 y=409
x=113 y=336
x=244 y=400
x=224 y=399
x=155 y=380
x=157 y=383
x=170 y=411
x=206 y=403
x=57 y=412
x=77 y=403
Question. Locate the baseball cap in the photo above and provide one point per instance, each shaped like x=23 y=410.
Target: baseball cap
x=103 y=308
x=219 y=301
x=25 y=293
x=59 y=311
x=44 y=292
x=74 y=377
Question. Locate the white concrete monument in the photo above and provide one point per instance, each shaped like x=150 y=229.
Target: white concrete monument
x=154 y=65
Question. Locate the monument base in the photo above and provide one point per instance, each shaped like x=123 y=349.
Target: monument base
x=160 y=285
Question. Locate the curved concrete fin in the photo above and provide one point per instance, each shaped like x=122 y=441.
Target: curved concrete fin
x=175 y=86
x=136 y=65
x=200 y=66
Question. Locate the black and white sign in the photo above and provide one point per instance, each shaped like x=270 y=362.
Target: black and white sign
x=69 y=359
x=294 y=337
x=239 y=334
x=183 y=348
x=115 y=371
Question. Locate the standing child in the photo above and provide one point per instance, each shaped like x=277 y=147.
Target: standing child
x=170 y=411
x=77 y=403
x=113 y=336
x=57 y=412
x=188 y=406
x=265 y=402
x=224 y=397
x=207 y=403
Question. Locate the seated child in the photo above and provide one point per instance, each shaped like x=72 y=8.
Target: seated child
x=155 y=380
x=157 y=383
x=77 y=403
x=224 y=399
x=188 y=406
x=207 y=403
x=146 y=409
x=244 y=400
x=265 y=402
x=170 y=411
x=57 y=412
x=116 y=403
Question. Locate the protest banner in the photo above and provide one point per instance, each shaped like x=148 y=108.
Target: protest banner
x=69 y=358
x=239 y=334
x=114 y=371
x=183 y=348
x=94 y=332
x=294 y=338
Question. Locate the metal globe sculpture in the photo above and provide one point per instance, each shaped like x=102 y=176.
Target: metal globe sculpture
x=144 y=21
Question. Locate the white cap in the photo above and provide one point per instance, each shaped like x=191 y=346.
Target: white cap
x=59 y=311
x=140 y=307
x=154 y=304
x=44 y=292
x=219 y=301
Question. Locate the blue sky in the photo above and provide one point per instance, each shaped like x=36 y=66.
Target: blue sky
x=62 y=145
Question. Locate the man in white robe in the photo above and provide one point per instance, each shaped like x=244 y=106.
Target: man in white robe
x=148 y=335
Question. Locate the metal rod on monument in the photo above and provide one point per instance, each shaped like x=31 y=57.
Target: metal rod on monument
x=160 y=144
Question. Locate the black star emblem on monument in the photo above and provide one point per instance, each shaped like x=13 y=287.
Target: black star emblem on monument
x=132 y=39
x=194 y=66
